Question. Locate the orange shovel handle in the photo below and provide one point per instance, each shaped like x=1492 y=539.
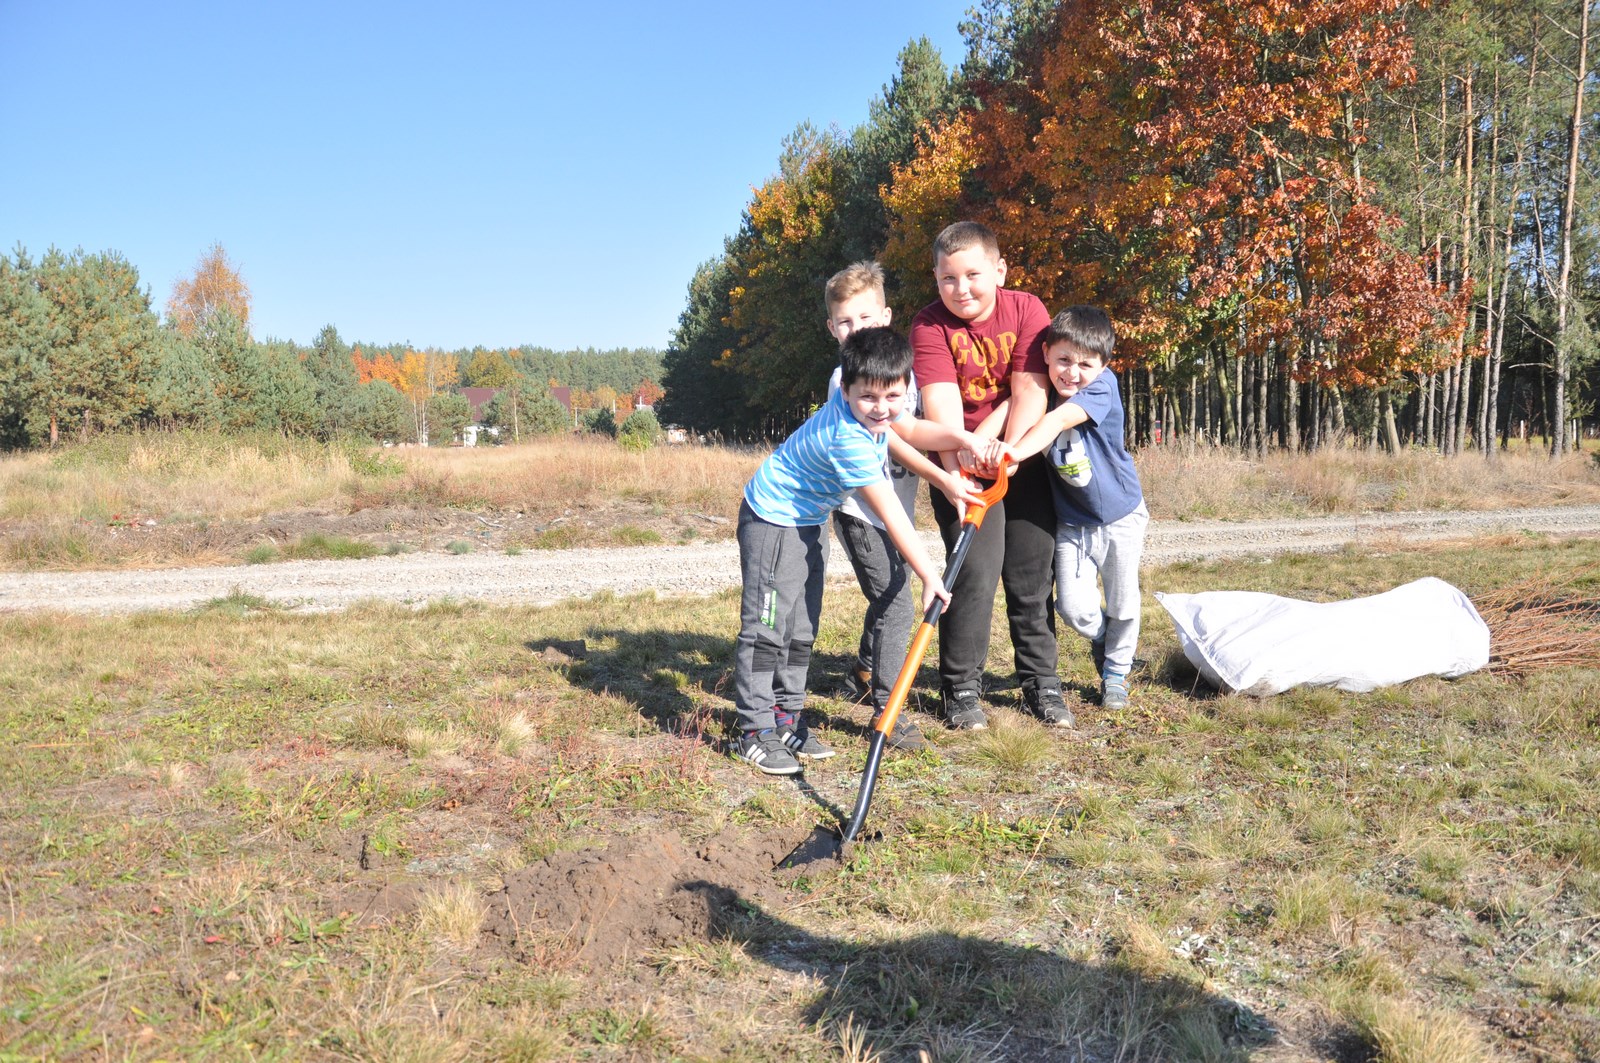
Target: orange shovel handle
x=970 y=523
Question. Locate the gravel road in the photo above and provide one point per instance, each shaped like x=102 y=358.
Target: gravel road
x=544 y=577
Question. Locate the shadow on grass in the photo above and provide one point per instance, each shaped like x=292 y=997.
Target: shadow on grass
x=677 y=680
x=683 y=681
x=960 y=996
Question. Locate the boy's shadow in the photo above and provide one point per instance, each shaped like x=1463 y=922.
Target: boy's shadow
x=954 y=995
x=682 y=681
x=675 y=679
x=830 y=704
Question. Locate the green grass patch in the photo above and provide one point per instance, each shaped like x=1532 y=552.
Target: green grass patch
x=559 y=537
x=237 y=603
x=261 y=554
x=628 y=535
x=319 y=547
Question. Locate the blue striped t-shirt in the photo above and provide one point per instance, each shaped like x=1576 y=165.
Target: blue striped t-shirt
x=817 y=467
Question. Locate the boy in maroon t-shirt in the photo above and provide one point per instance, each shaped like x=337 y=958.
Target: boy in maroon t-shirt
x=976 y=348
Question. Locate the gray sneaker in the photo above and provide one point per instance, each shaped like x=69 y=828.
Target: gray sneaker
x=1114 y=691
x=766 y=751
x=906 y=735
x=963 y=712
x=799 y=740
x=1045 y=702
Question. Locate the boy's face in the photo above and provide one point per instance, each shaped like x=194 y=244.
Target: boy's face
x=1071 y=367
x=968 y=280
x=864 y=309
x=876 y=404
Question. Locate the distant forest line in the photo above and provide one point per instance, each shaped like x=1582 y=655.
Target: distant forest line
x=83 y=351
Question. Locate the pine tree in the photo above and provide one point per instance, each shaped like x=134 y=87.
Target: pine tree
x=333 y=375
x=82 y=342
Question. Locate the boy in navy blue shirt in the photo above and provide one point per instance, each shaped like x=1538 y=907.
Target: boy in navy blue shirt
x=1100 y=511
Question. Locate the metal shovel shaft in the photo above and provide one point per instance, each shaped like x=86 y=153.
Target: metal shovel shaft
x=884 y=725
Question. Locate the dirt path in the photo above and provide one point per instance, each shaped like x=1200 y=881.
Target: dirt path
x=543 y=577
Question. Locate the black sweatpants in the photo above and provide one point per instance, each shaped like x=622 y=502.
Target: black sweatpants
x=1015 y=546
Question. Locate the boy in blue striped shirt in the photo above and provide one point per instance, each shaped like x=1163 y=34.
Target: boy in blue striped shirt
x=783 y=537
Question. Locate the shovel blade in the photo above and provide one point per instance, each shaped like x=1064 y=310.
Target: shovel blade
x=823 y=844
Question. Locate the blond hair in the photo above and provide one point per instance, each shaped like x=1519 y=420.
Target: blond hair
x=857 y=277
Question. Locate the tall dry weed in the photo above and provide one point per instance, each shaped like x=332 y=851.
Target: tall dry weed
x=154 y=498
x=1406 y=1033
x=550 y=475
x=163 y=475
x=1210 y=483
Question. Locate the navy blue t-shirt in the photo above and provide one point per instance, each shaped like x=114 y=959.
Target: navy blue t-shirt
x=1113 y=490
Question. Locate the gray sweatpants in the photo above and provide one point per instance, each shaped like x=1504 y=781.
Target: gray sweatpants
x=783 y=570
x=886 y=581
x=1110 y=552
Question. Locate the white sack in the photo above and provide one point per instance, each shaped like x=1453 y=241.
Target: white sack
x=1263 y=644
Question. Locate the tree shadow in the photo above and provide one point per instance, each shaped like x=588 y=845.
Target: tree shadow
x=961 y=996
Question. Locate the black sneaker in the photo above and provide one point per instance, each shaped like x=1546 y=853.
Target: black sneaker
x=799 y=740
x=857 y=685
x=906 y=735
x=963 y=712
x=1045 y=702
x=766 y=751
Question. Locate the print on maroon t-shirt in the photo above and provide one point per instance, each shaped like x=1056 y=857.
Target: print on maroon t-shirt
x=980 y=358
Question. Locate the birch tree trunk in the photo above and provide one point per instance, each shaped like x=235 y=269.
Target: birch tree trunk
x=1558 y=413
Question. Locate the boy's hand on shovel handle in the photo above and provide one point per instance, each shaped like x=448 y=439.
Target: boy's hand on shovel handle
x=961 y=491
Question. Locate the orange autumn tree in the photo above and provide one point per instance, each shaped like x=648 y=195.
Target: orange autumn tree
x=380 y=366
x=923 y=196
x=786 y=249
x=648 y=392
x=1196 y=167
x=1076 y=196
x=216 y=283
x=417 y=375
x=423 y=374
x=1263 y=115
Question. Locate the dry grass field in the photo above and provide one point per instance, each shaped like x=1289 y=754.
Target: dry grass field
x=154 y=500
x=479 y=833
x=473 y=832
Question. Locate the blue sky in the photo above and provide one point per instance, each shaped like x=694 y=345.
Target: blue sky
x=431 y=174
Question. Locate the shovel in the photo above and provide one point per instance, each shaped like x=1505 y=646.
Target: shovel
x=824 y=842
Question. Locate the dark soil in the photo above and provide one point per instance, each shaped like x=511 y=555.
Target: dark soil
x=640 y=894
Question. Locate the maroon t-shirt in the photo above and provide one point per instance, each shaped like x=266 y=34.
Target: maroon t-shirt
x=980 y=358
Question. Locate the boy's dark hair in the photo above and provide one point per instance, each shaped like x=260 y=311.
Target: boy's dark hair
x=962 y=235
x=1085 y=327
x=877 y=355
